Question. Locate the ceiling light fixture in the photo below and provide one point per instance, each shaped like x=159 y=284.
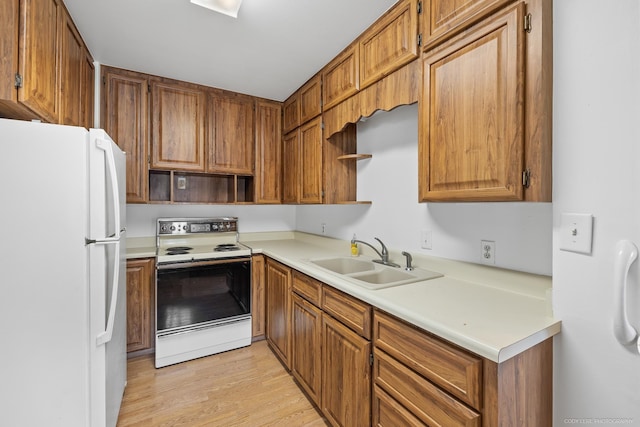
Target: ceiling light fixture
x=226 y=7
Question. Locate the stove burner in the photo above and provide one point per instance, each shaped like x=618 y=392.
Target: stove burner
x=226 y=247
x=179 y=249
x=177 y=253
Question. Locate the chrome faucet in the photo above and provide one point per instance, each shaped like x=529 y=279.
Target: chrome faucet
x=384 y=255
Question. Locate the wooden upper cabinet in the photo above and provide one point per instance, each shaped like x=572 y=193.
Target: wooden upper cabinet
x=341 y=77
x=230 y=133
x=311 y=99
x=268 y=152
x=177 y=133
x=310 y=171
x=444 y=18
x=291 y=113
x=72 y=64
x=471 y=127
x=291 y=167
x=389 y=43
x=125 y=117
x=44 y=73
x=38 y=65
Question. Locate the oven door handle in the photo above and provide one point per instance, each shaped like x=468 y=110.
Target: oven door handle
x=191 y=264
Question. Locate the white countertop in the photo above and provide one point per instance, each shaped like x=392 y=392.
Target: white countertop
x=492 y=312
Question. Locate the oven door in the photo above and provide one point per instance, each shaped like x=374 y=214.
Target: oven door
x=201 y=294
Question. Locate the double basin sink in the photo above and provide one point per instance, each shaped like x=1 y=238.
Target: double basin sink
x=371 y=275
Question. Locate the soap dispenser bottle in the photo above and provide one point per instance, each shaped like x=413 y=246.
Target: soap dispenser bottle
x=354 y=247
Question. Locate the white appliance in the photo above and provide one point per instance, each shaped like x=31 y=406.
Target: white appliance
x=596 y=170
x=203 y=289
x=62 y=276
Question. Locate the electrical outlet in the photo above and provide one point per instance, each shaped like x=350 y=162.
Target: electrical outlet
x=182 y=182
x=426 y=242
x=488 y=252
x=324 y=228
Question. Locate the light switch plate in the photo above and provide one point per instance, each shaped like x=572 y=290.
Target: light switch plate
x=576 y=232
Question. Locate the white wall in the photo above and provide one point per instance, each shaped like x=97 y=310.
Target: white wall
x=595 y=168
x=522 y=231
x=141 y=219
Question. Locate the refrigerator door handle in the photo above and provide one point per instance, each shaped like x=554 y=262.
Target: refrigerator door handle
x=626 y=254
x=106 y=146
x=105 y=337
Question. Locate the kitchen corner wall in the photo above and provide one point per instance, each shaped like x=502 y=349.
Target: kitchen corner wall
x=522 y=232
x=141 y=219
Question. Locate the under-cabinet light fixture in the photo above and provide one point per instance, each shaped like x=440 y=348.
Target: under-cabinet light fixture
x=226 y=7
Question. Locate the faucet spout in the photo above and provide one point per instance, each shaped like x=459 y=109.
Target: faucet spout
x=384 y=255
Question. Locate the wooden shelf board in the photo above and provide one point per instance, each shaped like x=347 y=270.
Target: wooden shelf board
x=355 y=156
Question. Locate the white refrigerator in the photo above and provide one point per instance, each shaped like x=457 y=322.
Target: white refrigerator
x=62 y=276
x=596 y=166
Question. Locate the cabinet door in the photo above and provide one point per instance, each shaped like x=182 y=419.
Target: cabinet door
x=87 y=91
x=311 y=99
x=291 y=167
x=278 y=312
x=291 y=113
x=268 y=152
x=341 y=77
x=346 y=375
x=39 y=29
x=307 y=345
x=257 y=296
x=230 y=128
x=177 y=137
x=140 y=303
x=444 y=18
x=72 y=60
x=471 y=123
x=389 y=43
x=125 y=118
x=311 y=162
x=9 y=46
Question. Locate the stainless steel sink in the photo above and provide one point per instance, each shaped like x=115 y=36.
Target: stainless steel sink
x=364 y=272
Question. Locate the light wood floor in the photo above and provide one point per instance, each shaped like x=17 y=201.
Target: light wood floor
x=244 y=387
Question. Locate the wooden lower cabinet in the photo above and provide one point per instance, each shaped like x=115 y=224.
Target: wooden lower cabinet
x=307 y=344
x=278 y=312
x=140 y=303
x=257 y=297
x=346 y=375
x=425 y=380
x=404 y=376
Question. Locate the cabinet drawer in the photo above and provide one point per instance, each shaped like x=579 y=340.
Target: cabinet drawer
x=387 y=412
x=308 y=288
x=426 y=401
x=352 y=312
x=451 y=368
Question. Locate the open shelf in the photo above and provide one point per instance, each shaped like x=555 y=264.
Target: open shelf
x=354 y=157
x=193 y=187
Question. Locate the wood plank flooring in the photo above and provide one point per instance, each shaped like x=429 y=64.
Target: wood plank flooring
x=244 y=387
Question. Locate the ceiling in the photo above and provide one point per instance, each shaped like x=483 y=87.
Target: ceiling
x=270 y=50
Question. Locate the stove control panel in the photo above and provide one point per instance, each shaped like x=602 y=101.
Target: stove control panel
x=172 y=226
